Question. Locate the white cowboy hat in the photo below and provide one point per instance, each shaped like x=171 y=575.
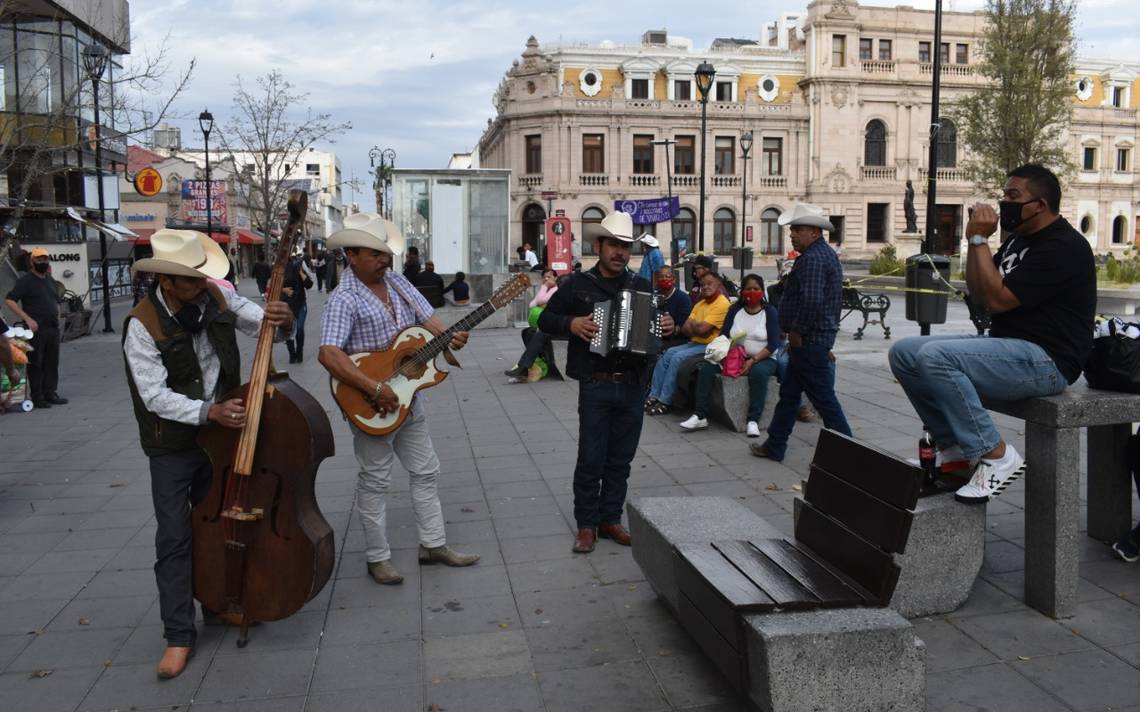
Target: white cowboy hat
x=368 y=230
x=649 y=240
x=186 y=253
x=805 y=214
x=617 y=224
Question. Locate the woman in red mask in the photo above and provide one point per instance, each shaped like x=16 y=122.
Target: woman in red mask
x=752 y=323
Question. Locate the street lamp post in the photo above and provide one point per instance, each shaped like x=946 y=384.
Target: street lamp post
x=383 y=179
x=667 y=142
x=745 y=149
x=95 y=63
x=206 y=123
x=705 y=74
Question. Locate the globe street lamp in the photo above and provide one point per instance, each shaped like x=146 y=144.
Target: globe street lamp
x=705 y=74
x=383 y=178
x=206 y=123
x=95 y=63
x=745 y=149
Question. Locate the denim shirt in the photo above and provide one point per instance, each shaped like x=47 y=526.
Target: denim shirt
x=812 y=295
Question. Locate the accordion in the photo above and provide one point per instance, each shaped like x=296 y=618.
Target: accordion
x=630 y=322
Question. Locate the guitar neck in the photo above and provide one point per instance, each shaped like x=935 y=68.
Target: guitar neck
x=436 y=346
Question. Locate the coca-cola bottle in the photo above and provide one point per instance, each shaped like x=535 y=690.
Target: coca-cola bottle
x=926 y=458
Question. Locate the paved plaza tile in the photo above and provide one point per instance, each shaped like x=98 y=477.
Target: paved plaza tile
x=532 y=626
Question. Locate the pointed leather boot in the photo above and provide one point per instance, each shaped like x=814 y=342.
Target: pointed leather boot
x=384 y=572
x=174 y=661
x=444 y=555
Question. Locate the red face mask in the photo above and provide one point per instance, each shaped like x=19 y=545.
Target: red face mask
x=665 y=285
x=751 y=297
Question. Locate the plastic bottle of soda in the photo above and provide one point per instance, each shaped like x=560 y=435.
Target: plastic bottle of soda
x=926 y=458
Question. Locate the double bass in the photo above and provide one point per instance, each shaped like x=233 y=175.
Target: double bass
x=262 y=548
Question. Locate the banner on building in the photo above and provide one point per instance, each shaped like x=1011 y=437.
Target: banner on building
x=194 y=202
x=647 y=212
x=558 y=254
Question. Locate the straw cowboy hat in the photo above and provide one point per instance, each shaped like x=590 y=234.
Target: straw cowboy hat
x=185 y=253
x=617 y=225
x=805 y=214
x=649 y=240
x=370 y=231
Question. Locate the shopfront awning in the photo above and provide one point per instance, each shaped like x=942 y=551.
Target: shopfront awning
x=115 y=231
x=247 y=237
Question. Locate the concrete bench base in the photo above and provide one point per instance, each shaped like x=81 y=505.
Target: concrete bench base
x=833 y=659
x=728 y=402
x=850 y=659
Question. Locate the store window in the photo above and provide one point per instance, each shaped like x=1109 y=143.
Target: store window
x=724 y=155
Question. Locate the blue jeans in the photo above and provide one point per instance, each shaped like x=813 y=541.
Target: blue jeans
x=665 y=372
x=609 y=417
x=757 y=378
x=297 y=343
x=811 y=373
x=945 y=377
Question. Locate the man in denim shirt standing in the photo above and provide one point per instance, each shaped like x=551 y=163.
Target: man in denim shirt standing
x=809 y=314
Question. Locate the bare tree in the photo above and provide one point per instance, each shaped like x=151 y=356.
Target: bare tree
x=265 y=139
x=1022 y=112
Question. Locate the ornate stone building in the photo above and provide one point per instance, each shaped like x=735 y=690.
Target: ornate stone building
x=837 y=100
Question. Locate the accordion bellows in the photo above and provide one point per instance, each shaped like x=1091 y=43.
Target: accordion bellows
x=630 y=323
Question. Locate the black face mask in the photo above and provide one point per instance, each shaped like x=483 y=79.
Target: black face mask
x=1010 y=213
x=41 y=267
x=190 y=317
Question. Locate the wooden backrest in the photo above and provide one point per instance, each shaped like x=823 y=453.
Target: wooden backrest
x=857 y=510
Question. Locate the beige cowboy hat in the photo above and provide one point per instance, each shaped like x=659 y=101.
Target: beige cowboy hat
x=649 y=240
x=370 y=231
x=617 y=224
x=806 y=214
x=185 y=253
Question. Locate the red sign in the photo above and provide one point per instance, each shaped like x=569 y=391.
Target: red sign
x=148 y=182
x=194 y=202
x=549 y=194
x=558 y=245
x=748 y=234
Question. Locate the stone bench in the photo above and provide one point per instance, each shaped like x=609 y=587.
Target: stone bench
x=1052 y=484
x=728 y=402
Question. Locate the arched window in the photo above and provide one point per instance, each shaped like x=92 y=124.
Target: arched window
x=724 y=231
x=771 y=233
x=589 y=215
x=1119 y=227
x=947 y=144
x=875 y=143
x=684 y=230
x=1086 y=224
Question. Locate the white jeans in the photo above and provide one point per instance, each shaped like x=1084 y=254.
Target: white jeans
x=412 y=444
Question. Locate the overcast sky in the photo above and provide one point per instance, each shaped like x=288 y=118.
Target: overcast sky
x=418 y=75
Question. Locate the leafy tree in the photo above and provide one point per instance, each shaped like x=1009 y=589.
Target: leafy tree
x=1020 y=115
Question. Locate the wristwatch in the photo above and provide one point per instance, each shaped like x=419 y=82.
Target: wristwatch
x=977 y=240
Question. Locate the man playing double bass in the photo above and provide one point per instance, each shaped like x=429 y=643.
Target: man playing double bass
x=181 y=355
x=368 y=309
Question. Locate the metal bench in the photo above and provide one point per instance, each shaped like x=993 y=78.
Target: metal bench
x=856 y=514
x=854 y=300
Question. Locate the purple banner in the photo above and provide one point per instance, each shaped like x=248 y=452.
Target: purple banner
x=647 y=212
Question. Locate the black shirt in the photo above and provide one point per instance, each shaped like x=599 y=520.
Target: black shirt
x=1053 y=274
x=299 y=281
x=461 y=290
x=576 y=298
x=428 y=279
x=36 y=296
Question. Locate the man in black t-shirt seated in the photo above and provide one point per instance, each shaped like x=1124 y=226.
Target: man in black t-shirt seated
x=1040 y=288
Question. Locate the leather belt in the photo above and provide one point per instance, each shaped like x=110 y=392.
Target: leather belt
x=615 y=377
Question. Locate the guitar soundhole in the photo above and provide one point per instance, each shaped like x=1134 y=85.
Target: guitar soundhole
x=410 y=368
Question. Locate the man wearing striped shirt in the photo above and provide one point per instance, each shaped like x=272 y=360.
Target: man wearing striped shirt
x=369 y=308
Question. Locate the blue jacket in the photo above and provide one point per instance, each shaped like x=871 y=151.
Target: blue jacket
x=775 y=336
x=650 y=263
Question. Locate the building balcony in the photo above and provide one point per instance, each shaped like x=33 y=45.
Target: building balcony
x=643 y=181
x=773 y=182
x=948 y=70
x=686 y=181
x=877 y=67
x=725 y=181
x=530 y=181
x=879 y=173
x=947 y=175
x=593 y=179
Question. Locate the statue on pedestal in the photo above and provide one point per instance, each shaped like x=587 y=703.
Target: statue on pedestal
x=908 y=209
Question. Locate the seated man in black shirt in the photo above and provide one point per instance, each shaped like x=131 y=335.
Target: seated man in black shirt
x=1040 y=288
x=611 y=389
x=33 y=300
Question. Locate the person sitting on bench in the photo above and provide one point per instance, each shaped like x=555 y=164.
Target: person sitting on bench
x=677 y=303
x=534 y=339
x=1040 y=288
x=460 y=290
x=754 y=321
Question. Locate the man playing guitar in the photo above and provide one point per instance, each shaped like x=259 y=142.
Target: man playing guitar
x=369 y=308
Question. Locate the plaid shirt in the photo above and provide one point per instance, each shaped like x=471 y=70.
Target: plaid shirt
x=812 y=295
x=355 y=319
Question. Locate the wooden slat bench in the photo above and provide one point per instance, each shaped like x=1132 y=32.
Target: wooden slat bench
x=856 y=514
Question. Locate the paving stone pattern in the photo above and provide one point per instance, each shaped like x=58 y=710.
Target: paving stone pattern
x=532 y=626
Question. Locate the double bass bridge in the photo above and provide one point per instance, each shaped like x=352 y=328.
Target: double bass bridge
x=241 y=515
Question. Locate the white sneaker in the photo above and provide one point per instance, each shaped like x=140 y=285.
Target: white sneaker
x=992 y=477
x=753 y=429
x=695 y=423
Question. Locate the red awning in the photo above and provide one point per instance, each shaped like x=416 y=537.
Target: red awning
x=221 y=237
x=246 y=237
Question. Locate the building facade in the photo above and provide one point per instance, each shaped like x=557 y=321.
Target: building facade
x=837 y=102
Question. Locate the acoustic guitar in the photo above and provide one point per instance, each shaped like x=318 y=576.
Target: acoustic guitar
x=408 y=365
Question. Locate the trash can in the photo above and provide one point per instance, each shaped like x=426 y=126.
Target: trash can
x=924 y=306
x=742 y=258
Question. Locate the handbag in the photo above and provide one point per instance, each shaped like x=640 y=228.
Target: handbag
x=1114 y=363
x=733 y=364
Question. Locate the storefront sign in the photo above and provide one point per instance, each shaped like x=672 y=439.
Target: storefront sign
x=142 y=217
x=194 y=201
x=558 y=254
x=148 y=182
x=646 y=212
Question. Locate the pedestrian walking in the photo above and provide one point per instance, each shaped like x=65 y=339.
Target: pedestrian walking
x=809 y=315
x=652 y=260
x=261 y=273
x=33 y=299
x=294 y=287
x=181 y=355
x=319 y=269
